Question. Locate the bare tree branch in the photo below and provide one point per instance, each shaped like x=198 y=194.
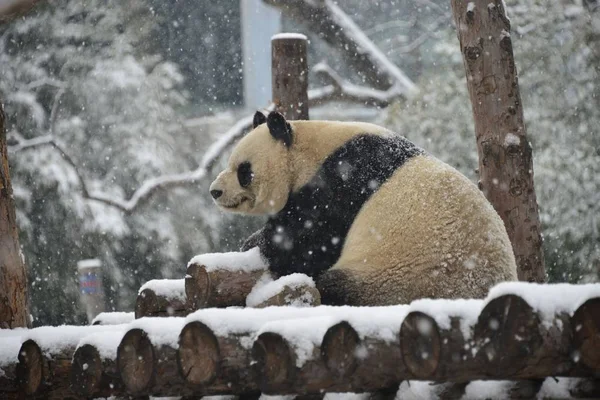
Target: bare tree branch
x=151 y=186
x=342 y=90
x=335 y=27
x=337 y=90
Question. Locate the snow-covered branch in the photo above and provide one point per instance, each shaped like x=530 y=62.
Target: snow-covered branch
x=339 y=89
x=334 y=26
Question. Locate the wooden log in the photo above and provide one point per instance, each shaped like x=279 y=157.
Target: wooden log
x=510 y=342
x=148 y=369
x=212 y=364
x=292 y=290
x=93 y=375
x=43 y=376
x=585 y=326
x=218 y=287
x=150 y=304
x=304 y=295
x=341 y=363
x=289 y=69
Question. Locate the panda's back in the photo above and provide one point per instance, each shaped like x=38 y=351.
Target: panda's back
x=427 y=232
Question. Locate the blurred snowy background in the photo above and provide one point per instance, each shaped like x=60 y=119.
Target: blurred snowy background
x=138 y=89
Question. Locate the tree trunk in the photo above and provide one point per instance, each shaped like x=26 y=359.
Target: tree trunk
x=505 y=161
x=13 y=279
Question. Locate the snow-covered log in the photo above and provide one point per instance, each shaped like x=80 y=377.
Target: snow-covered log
x=146 y=358
x=296 y=290
x=44 y=359
x=94 y=370
x=113 y=318
x=510 y=338
x=223 y=279
x=162 y=298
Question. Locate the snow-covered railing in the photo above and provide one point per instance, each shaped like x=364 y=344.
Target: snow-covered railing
x=521 y=332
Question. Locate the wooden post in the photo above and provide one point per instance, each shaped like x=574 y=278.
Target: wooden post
x=289 y=69
x=505 y=160
x=14 y=310
x=90 y=287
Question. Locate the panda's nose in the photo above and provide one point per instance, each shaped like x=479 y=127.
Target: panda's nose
x=216 y=193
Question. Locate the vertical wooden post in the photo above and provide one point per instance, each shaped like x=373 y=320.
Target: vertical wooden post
x=505 y=155
x=289 y=69
x=14 y=310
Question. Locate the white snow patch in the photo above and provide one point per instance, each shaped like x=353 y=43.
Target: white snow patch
x=347 y=396
x=504 y=33
x=416 y=390
x=511 y=139
x=106 y=342
x=247 y=261
x=470 y=6
x=376 y=322
x=113 y=318
x=265 y=288
x=89 y=263
x=10 y=343
x=161 y=331
x=547 y=299
x=53 y=339
x=285 y=35
x=443 y=310
x=168 y=288
x=488 y=390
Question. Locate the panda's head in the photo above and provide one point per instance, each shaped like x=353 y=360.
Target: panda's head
x=258 y=179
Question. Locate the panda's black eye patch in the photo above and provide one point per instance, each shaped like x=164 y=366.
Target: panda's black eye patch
x=245 y=174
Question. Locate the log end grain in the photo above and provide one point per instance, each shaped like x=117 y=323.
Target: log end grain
x=420 y=344
x=197 y=286
x=507 y=331
x=586 y=333
x=273 y=363
x=86 y=371
x=198 y=355
x=30 y=369
x=135 y=361
x=339 y=348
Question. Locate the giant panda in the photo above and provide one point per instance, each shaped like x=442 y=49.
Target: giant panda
x=373 y=218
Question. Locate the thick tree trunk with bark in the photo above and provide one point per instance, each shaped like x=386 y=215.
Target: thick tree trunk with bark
x=13 y=279
x=505 y=156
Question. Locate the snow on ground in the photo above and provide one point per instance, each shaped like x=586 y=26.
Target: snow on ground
x=113 y=318
x=267 y=288
x=169 y=288
x=246 y=261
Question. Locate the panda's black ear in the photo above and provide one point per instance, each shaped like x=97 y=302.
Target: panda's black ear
x=280 y=129
x=259 y=118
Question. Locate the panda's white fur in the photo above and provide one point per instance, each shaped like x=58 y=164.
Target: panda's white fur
x=424 y=231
